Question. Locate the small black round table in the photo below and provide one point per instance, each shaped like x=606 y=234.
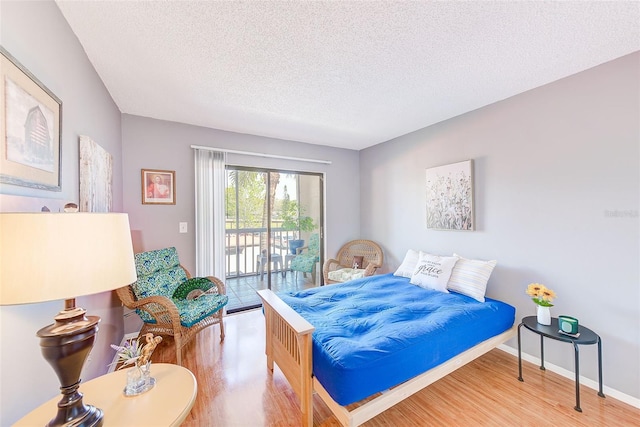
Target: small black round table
x=586 y=336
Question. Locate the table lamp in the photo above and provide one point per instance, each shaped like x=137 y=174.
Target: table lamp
x=55 y=256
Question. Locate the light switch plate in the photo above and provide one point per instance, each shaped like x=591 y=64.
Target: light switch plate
x=183 y=227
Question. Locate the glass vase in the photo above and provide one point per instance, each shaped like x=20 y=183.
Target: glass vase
x=139 y=380
x=544 y=315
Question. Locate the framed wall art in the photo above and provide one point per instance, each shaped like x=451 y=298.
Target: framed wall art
x=96 y=177
x=30 y=127
x=158 y=187
x=450 y=197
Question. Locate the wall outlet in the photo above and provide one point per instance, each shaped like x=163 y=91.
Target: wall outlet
x=183 y=227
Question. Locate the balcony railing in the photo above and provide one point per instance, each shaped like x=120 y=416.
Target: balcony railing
x=243 y=246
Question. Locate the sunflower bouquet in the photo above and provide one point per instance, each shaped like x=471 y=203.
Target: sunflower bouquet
x=540 y=294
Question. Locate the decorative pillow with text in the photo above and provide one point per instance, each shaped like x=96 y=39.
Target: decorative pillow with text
x=433 y=271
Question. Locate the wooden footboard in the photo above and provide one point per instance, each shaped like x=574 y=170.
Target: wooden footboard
x=288 y=344
x=388 y=398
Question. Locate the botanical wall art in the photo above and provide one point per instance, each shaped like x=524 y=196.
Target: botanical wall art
x=450 y=197
x=30 y=122
x=96 y=176
x=158 y=187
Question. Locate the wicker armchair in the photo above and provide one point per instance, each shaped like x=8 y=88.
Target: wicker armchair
x=163 y=298
x=370 y=251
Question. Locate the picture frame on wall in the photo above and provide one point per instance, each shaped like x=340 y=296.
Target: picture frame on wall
x=158 y=187
x=450 y=197
x=96 y=177
x=30 y=127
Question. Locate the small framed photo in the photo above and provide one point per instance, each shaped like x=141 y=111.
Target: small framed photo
x=30 y=123
x=158 y=187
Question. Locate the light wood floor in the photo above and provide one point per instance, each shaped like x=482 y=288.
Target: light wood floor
x=235 y=388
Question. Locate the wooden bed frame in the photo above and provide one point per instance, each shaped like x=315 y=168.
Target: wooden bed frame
x=288 y=344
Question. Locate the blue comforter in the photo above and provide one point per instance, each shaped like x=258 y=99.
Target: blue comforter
x=377 y=332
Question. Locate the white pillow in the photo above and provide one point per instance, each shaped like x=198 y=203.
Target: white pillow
x=470 y=277
x=433 y=271
x=408 y=264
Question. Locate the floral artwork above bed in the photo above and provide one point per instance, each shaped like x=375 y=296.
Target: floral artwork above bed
x=450 y=197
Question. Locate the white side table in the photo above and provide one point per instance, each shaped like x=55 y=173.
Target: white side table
x=167 y=404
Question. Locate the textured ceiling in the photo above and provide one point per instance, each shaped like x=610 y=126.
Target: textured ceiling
x=348 y=74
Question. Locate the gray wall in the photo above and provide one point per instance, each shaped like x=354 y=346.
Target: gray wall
x=553 y=167
x=157 y=144
x=38 y=36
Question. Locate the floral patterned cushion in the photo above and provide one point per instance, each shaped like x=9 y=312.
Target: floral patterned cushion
x=306 y=261
x=159 y=273
x=153 y=261
x=193 y=311
x=162 y=283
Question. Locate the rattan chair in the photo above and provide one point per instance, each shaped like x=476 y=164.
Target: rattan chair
x=369 y=250
x=162 y=298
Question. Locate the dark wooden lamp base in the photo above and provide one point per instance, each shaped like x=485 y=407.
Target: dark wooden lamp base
x=66 y=345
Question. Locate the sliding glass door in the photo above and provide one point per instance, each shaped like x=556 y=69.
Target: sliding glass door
x=269 y=214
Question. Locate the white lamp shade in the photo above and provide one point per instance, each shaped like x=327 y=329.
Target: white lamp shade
x=53 y=256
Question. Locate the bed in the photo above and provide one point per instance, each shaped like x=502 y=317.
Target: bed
x=378 y=338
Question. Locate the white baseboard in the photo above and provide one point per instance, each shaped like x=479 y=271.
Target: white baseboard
x=630 y=400
x=112 y=366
